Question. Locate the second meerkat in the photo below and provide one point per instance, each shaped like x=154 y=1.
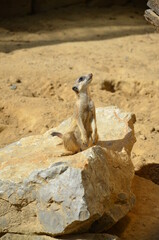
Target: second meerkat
x=83 y=128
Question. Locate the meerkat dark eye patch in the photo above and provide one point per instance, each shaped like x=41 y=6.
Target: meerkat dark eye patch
x=81 y=79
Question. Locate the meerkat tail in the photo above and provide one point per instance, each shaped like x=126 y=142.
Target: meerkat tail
x=57 y=134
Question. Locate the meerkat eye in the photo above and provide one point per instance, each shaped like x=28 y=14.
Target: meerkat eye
x=81 y=79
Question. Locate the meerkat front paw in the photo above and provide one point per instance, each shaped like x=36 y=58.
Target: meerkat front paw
x=84 y=142
x=84 y=146
x=94 y=141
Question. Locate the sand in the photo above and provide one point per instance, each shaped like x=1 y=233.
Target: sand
x=42 y=55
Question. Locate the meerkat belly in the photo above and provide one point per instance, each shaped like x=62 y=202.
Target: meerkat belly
x=87 y=122
x=86 y=117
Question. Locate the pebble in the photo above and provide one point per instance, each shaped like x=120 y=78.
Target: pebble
x=143 y=137
x=13 y=87
x=126 y=59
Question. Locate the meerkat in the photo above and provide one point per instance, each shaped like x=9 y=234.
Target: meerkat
x=83 y=128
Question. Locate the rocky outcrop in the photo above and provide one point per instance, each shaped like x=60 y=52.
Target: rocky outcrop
x=43 y=193
x=152 y=14
x=154 y=5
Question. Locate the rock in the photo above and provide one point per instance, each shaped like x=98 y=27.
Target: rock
x=43 y=193
x=11 y=236
x=103 y=236
x=152 y=17
x=152 y=14
x=115 y=128
x=13 y=87
x=154 y=5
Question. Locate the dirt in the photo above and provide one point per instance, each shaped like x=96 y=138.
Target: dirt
x=142 y=222
x=42 y=55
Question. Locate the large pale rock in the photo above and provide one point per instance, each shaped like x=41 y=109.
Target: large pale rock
x=10 y=236
x=43 y=193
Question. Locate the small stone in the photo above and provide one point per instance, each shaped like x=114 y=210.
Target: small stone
x=13 y=87
x=143 y=137
x=126 y=58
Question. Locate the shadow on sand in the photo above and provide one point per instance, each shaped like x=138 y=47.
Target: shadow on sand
x=73 y=24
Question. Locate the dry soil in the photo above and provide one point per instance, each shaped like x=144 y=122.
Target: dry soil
x=42 y=55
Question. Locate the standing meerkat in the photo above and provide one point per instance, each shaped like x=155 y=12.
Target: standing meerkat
x=83 y=128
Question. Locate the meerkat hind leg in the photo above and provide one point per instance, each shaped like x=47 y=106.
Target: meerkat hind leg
x=70 y=143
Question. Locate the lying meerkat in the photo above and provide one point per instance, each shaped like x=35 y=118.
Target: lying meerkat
x=83 y=129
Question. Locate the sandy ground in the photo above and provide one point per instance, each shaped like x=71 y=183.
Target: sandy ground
x=42 y=55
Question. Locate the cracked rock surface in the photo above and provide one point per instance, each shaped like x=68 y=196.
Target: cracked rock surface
x=44 y=193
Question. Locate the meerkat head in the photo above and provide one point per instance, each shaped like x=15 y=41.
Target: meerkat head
x=82 y=83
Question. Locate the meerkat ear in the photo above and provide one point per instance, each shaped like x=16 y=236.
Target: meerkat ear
x=75 y=89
